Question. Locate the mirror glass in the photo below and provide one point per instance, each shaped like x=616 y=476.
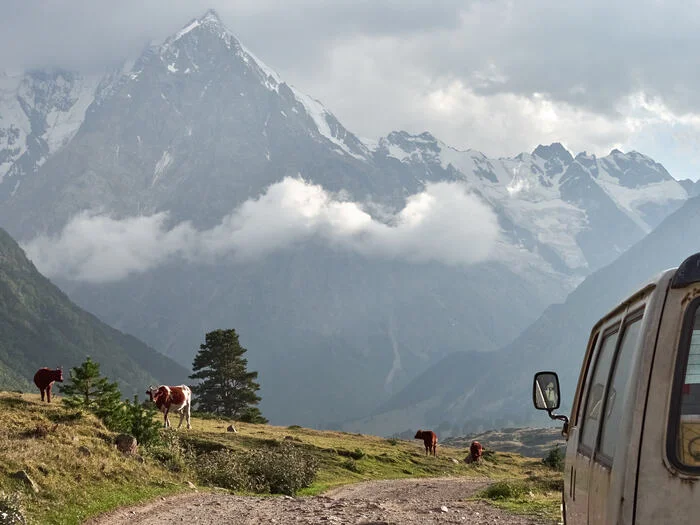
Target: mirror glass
x=545 y=392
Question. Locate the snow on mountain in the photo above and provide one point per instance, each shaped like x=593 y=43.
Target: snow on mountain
x=40 y=112
x=528 y=190
x=327 y=126
x=637 y=183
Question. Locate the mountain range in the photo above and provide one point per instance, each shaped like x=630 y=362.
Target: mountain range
x=194 y=189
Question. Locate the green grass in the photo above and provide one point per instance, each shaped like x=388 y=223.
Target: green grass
x=535 y=490
x=44 y=440
x=94 y=500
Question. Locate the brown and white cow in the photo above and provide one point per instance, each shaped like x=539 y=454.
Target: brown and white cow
x=177 y=398
x=44 y=379
x=429 y=440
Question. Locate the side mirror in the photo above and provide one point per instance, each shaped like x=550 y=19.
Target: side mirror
x=545 y=391
x=546 y=396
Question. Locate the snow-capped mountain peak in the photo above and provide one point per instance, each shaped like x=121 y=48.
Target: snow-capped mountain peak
x=553 y=151
x=210 y=20
x=40 y=112
x=192 y=50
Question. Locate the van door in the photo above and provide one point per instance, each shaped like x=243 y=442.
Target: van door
x=669 y=468
x=586 y=431
x=614 y=422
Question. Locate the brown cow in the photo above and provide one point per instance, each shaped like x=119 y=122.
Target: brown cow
x=475 y=452
x=44 y=379
x=429 y=440
x=178 y=398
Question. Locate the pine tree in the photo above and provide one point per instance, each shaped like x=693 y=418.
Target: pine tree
x=226 y=387
x=140 y=421
x=252 y=415
x=87 y=389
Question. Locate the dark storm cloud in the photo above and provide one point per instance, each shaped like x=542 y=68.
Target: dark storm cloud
x=589 y=54
x=88 y=34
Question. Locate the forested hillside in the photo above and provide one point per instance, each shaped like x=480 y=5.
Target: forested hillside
x=40 y=326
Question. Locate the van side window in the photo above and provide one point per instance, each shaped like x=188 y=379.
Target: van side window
x=594 y=403
x=685 y=411
x=618 y=389
x=578 y=402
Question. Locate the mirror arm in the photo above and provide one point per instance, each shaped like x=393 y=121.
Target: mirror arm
x=561 y=417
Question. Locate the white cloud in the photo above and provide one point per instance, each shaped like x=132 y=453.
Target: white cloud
x=97 y=248
x=444 y=223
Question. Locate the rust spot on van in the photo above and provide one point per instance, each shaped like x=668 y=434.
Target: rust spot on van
x=684 y=478
x=689 y=481
x=690 y=295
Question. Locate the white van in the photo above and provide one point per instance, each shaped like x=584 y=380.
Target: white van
x=633 y=436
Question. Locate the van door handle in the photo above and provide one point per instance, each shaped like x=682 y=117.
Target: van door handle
x=572 y=484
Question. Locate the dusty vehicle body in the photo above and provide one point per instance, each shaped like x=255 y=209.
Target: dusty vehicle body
x=633 y=436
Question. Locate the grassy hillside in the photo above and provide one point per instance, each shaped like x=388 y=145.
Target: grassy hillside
x=71 y=457
x=529 y=442
x=40 y=326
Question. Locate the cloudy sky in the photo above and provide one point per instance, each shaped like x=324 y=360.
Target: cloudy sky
x=495 y=75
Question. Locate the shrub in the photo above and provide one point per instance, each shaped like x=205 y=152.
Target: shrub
x=554 y=459
x=358 y=453
x=282 y=470
x=11 y=510
x=505 y=490
x=223 y=469
x=139 y=421
x=252 y=415
x=393 y=441
x=351 y=465
x=544 y=484
x=171 y=452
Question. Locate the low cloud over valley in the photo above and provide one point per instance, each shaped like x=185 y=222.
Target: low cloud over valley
x=444 y=223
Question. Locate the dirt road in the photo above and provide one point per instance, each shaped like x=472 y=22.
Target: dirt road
x=394 y=502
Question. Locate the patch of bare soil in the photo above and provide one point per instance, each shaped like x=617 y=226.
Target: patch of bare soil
x=395 y=502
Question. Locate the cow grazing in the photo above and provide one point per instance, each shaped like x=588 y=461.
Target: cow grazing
x=475 y=452
x=177 y=398
x=44 y=379
x=429 y=440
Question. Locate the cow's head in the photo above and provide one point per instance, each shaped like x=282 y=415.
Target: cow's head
x=58 y=374
x=151 y=392
x=157 y=393
x=419 y=435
